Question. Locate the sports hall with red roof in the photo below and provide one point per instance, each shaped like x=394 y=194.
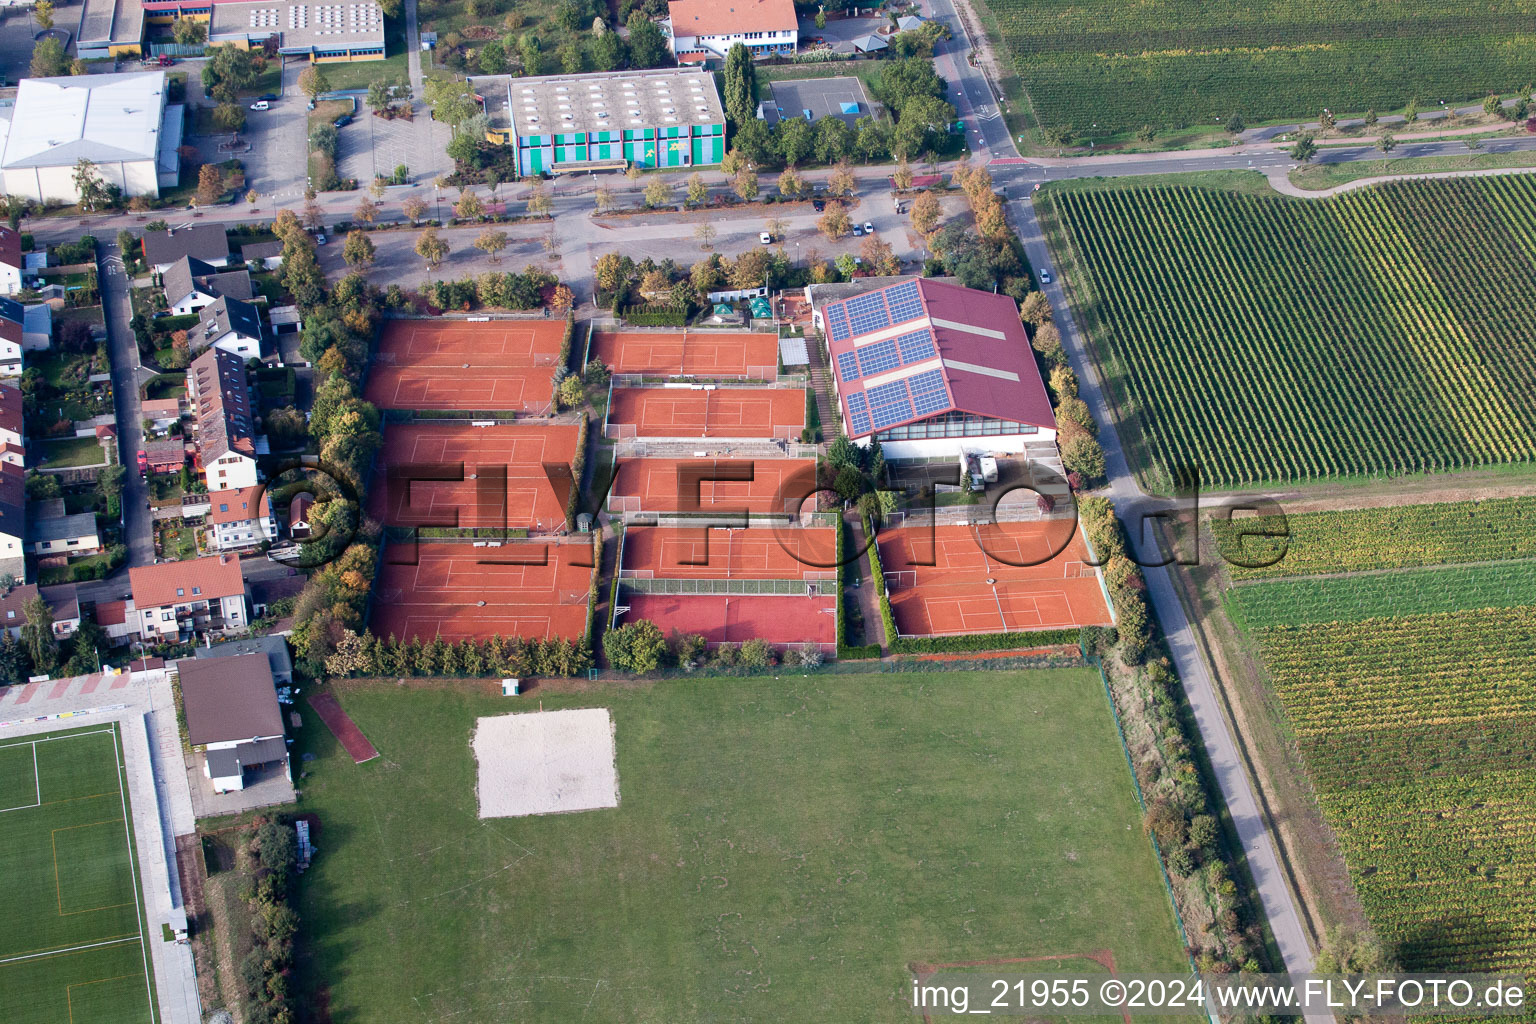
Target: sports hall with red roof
x=931 y=368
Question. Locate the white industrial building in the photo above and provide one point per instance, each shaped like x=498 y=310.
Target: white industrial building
x=120 y=123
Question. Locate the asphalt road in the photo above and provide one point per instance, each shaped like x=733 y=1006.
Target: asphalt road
x=127 y=375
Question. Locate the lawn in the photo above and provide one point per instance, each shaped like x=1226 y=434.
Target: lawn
x=359 y=74
x=71 y=890
x=1411 y=696
x=1121 y=66
x=73 y=451
x=1268 y=340
x=1322 y=176
x=783 y=849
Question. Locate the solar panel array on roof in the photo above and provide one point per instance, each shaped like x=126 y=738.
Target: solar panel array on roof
x=889 y=404
x=917 y=346
x=858 y=413
x=848 y=366
x=929 y=394
x=837 y=322
x=878 y=358
x=866 y=313
x=905 y=302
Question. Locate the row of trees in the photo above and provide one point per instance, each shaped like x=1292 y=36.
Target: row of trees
x=363 y=654
x=266 y=972
x=623 y=279
x=529 y=290
x=640 y=647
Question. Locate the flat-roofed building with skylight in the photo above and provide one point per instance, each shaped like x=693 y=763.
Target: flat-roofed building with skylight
x=934 y=369
x=664 y=117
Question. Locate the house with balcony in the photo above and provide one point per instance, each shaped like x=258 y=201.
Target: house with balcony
x=220 y=396
x=702 y=31
x=240 y=519
x=179 y=600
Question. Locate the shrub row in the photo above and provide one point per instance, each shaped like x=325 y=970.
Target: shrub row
x=985 y=641
x=846 y=651
x=578 y=467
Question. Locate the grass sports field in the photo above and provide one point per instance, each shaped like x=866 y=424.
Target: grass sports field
x=73 y=947
x=1277 y=341
x=1412 y=696
x=783 y=849
x=1170 y=65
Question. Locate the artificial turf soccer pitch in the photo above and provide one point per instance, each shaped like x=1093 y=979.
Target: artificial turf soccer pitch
x=73 y=947
x=783 y=849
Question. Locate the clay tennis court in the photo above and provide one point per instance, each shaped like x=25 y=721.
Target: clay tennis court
x=503 y=468
x=688 y=353
x=953 y=594
x=496 y=365
x=782 y=621
x=441 y=594
x=711 y=553
x=686 y=413
x=660 y=485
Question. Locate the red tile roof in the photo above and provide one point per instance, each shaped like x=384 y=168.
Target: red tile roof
x=234 y=506
x=10 y=247
x=111 y=613
x=726 y=17
x=10 y=408
x=201 y=579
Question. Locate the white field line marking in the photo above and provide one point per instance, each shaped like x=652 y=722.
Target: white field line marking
x=133 y=873
x=71 y=949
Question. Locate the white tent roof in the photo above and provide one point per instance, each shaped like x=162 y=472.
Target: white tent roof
x=103 y=118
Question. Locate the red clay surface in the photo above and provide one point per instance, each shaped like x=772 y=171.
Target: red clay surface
x=698 y=412
x=439 y=594
x=524 y=499
x=497 y=365
x=342 y=727
x=953 y=596
x=654 y=485
x=757 y=553
x=782 y=621
x=688 y=353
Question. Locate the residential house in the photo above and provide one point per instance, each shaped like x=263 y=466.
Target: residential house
x=240 y=519
x=162 y=413
x=298 y=516
x=705 y=30
x=165 y=456
x=12 y=263
x=205 y=242
x=190 y=284
x=13 y=521
x=176 y=600
x=274 y=647
x=219 y=394
x=22 y=329
x=63 y=604
x=117 y=618
x=52 y=532
x=229 y=325
x=232 y=715
x=263 y=255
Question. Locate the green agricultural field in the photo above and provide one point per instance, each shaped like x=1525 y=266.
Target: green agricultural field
x=1171 y=65
x=1412 y=698
x=1274 y=341
x=784 y=848
x=1396 y=537
x=73 y=947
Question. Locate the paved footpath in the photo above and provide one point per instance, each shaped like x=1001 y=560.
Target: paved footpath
x=159 y=797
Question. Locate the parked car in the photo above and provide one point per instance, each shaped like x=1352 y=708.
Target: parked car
x=1045 y=277
x=267 y=97
x=857 y=230
x=869 y=227
x=261 y=105
x=320 y=238
x=765 y=238
x=342 y=121
x=143 y=463
x=818 y=205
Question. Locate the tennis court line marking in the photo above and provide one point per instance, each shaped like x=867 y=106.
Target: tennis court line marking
x=73 y=949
